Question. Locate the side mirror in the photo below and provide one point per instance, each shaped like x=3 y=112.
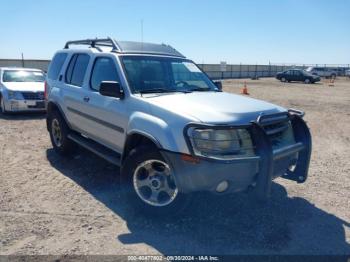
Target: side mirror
x=112 y=89
x=218 y=84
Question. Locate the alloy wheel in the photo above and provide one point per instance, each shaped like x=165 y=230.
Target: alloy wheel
x=56 y=132
x=154 y=183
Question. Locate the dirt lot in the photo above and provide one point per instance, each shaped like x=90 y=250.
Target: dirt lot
x=51 y=205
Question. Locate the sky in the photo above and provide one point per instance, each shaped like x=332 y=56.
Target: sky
x=235 y=31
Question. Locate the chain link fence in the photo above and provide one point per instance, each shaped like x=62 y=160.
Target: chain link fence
x=214 y=71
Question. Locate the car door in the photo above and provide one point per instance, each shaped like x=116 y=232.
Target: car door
x=107 y=116
x=298 y=76
x=72 y=90
x=285 y=75
x=289 y=75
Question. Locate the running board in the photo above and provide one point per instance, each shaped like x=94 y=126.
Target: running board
x=98 y=149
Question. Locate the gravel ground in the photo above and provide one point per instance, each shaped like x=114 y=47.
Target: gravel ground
x=53 y=205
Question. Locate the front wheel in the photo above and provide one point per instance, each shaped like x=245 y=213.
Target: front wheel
x=150 y=183
x=307 y=81
x=283 y=79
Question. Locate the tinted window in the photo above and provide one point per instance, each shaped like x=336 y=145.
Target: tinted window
x=56 y=65
x=77 y=69
x=145 y=74
x=70 y=68
x=104 y=70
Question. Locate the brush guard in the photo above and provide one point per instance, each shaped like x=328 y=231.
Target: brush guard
x=267 y=155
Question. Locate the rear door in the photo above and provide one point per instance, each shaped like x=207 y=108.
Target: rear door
x=73 y=91
x=298 y=76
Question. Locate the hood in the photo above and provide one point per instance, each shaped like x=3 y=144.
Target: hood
x=213 y=107
x=25 y=86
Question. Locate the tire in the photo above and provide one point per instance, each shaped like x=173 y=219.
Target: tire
x=59 y=131
x=2 y=105
x=307 y=81
x=139 y=186
x=283 y=79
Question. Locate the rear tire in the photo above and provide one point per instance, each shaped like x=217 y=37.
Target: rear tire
x=150 y=184
x=59 y=131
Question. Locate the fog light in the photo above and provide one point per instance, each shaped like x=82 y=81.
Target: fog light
x=222 y=186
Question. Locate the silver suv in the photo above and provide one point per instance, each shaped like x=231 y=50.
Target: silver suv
x=153 y=112
x=322 y=71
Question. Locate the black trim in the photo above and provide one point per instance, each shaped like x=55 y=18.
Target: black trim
x=263 y=148
x=95 y=42
x=97 y=120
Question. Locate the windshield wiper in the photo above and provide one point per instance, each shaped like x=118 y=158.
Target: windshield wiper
x=201 y=89
x=160 y=90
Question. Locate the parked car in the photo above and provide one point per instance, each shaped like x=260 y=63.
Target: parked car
x=297 y=75
x=153 y=112
x=322 y=71
x=21 y=89
x=347 y=73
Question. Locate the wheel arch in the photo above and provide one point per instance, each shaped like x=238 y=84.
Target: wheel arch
x=137 y=138
x=51 y=107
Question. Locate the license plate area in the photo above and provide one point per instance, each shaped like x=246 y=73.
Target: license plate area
x=40 y=104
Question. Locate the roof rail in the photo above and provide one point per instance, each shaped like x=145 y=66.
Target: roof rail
x=95 y=42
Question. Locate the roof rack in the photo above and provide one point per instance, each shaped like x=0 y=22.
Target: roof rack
x=127 y=47
x=95 y=42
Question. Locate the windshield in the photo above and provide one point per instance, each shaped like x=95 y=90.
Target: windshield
x=23 y=76
x=161 y=74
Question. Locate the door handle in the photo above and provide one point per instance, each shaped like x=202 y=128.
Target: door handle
x=86 y=98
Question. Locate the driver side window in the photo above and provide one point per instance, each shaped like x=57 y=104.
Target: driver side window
x=104 y=69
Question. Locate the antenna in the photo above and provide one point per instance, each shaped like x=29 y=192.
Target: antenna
x=141 y=34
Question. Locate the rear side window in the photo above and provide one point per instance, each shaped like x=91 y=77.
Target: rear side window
x=56 y=65
x=104 y=70
x=77 y=68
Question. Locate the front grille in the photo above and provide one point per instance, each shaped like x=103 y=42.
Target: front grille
x=279 y=130
x=33 y=95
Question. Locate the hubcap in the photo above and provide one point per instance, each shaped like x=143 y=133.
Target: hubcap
x=154 y=183
x=56 y=132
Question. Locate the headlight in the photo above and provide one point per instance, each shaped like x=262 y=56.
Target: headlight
x=221 y=143
x=15 y=95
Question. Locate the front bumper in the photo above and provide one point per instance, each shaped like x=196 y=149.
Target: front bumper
x=13 y=105
x=203 y=174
